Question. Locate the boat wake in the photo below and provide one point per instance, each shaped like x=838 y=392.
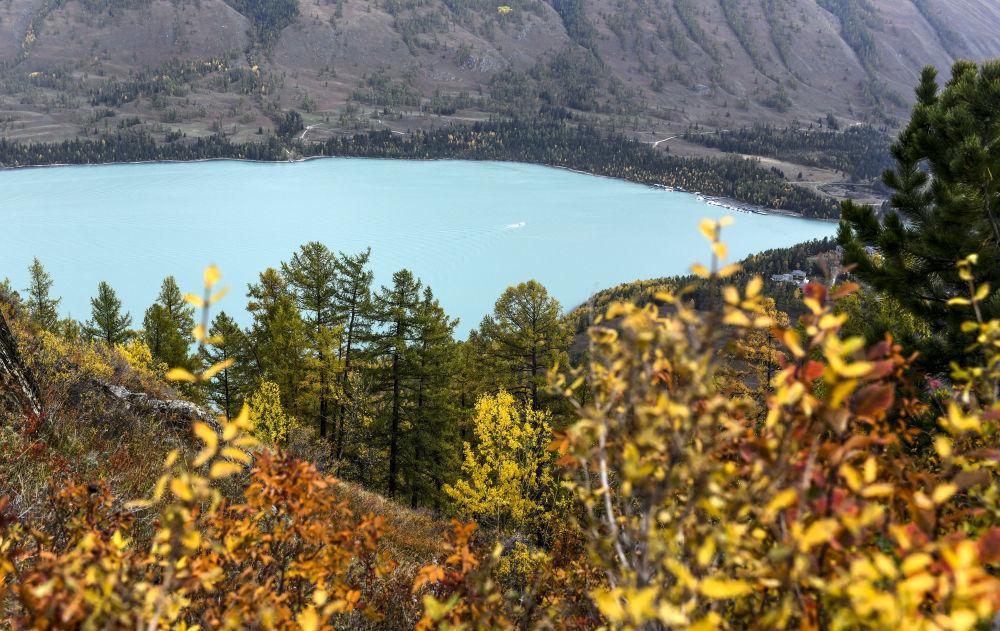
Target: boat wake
x=514 y=226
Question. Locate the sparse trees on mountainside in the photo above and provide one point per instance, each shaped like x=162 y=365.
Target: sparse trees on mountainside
x=945 y=207
x=107 y=322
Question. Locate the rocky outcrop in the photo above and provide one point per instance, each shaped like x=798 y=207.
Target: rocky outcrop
x=17 y=385
x=172 y=411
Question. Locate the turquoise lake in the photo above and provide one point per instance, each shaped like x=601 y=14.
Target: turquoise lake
x=468 y=229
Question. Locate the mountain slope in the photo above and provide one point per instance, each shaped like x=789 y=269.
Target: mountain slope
x=650 y=65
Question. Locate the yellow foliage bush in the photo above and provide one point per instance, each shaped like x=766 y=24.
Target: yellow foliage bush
x=509 y=481
x=268 y=420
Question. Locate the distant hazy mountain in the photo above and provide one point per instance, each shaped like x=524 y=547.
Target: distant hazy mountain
x=72 y=67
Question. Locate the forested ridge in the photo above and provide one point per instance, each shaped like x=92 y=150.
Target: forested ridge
x=819 y=259
x=555 y=143
x=861 y=151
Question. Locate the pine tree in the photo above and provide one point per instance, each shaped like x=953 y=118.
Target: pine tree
x=939 y=215
x=107 y=322
x=168 y=323
x=395 y=310
x=524 y=337
x=41 y=308
x=312 y=272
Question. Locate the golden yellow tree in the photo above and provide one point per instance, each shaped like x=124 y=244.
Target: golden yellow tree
x=268 y=420
x=507 y=481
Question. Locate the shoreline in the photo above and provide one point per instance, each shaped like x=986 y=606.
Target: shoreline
x=722 y=202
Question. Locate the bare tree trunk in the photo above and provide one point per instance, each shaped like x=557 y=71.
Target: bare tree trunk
x=17 y=385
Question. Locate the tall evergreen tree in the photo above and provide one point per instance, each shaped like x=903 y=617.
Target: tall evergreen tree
x=277 y=338
x=312 y=272
x=168 y=323
x=229 y=388
x=352 y=300
x=41 y=308
x=945 y=206
x=523 y=338
x=395 y=311
x=433 y=439
x=107 y=322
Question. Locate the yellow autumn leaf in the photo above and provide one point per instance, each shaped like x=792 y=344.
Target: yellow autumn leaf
x=181 y=489
x=782 y=500
x=308 y=619
x=236 y=454
x=726 y=221
x=817 y=533
x=700 y=270
x=179 y=374
x=212 y=275
x=206 y=434
x=723 y=589
x=219 y=295
x=720 y=250
x=217 y=368
x=883 y=489
x=707 y=227
x=729 y=270
x=194 y=300
x=943 y=493
x=640 y=604
x=609 y=604
x=754 y=287
x=737 y=318
x=223 y=469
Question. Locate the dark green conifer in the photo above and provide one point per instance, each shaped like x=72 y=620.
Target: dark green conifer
x=945 y=206
x=107 y=322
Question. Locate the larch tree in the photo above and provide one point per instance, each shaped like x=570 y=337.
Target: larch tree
x=312 y=273
x=41 y=308
x=277 y=337
x=228 y=389
x=395 y=312
x=945 y=206
x=352 y=300
x=433 y=437
x=107 y=322
x=524 y=337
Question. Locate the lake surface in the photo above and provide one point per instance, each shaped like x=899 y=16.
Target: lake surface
x=468 y=229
